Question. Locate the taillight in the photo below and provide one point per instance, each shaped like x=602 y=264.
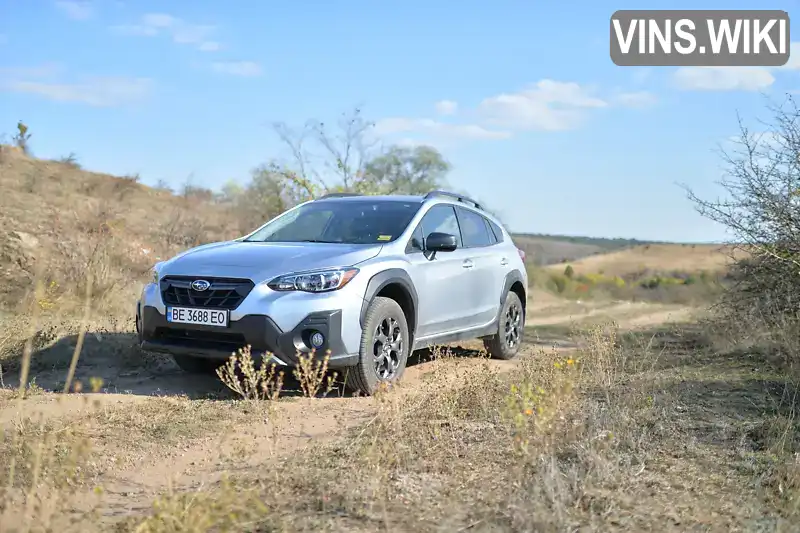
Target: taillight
x=521 y=254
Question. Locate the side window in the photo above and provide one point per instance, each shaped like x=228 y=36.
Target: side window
x=492 y=238
x=473 y=229
x=415 y=245
x=441 y=218
x=498 y=233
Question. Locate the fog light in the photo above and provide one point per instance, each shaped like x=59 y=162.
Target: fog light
x=317 y=339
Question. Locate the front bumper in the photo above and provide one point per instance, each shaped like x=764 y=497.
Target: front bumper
x=261 y=332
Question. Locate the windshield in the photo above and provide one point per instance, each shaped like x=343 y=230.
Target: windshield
x=347 y=222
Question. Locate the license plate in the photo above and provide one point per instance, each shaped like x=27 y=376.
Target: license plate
x=199 y=317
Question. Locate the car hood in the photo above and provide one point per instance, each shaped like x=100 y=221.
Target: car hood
x=261 y=261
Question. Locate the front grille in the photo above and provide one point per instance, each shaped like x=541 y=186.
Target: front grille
x=224 y=293
x=200 y=338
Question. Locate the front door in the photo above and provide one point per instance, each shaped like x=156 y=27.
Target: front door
x=441 y=280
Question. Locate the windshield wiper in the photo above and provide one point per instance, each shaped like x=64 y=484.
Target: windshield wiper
x=299 y=240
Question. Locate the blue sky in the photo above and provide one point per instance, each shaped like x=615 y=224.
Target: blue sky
x=521 y=97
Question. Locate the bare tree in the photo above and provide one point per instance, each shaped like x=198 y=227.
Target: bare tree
x=322 y=157
x=348 y=157
x=762 y=211
x=345 y=158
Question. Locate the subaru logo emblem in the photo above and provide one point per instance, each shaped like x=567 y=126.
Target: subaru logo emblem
x=200 y=285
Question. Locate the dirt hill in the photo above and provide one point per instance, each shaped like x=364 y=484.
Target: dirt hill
x=73 y=222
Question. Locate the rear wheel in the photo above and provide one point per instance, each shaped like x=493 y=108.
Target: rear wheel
x=505 y=343
x=196 y=365
x=384 y=347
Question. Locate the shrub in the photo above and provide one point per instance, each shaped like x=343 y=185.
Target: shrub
x=560 y=282
x=761 y=180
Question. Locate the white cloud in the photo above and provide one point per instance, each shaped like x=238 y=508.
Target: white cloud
x=723 y=78
x=794 y=58
x=548 y=105
x=179 y=30
x=160 y=20
x=426 y=126
x=99 y=91
x=733 y=78
x=446 y=107
x=237 y=68
x=209 y=46
x=641 y=75
x=637 y=99
x=45 y=70
x=138 y=30
x=75 y=9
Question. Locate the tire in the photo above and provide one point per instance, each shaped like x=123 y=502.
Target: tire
x=384 y=318
x=196 y=365
x=510 y=330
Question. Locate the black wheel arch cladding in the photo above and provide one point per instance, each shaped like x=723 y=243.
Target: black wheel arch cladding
x=514 y=281
x=396 y=284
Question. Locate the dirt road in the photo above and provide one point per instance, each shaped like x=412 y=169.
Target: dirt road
x=154 y=428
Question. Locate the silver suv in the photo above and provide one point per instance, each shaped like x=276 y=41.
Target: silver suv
x=366 y=279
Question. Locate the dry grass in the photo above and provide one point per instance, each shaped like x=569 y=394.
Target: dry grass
x=627 y=431
x=637 y=432
x=71 y=222
x=654 y=257
x=659 y=429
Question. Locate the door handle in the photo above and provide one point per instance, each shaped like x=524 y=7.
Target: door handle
x=503 y=261
x=467 y=263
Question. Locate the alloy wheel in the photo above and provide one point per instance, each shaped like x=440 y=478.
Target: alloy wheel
x=387 y=348
x=513 y=321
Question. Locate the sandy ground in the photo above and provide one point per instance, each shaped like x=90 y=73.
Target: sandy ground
x=132 y=386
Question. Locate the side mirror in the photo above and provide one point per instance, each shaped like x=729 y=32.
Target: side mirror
x=440 y=242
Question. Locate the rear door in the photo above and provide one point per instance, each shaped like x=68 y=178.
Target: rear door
x=442 y=281
x=486 y=275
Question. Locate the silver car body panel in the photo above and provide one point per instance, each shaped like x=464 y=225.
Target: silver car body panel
x=457 y=292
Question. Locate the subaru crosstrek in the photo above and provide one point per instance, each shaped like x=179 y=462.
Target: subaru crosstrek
x=363 y=279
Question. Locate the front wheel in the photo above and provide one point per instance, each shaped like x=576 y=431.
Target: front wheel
x=384 y=348
x=505 y=343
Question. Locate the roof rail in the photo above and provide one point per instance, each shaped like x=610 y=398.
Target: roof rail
x=338 y=195
x=456 y=196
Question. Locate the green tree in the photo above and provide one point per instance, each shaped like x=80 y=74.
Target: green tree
x=22 y=137
x=402 y=170
x=325 y=160
x=569 y=271
x=345 y=158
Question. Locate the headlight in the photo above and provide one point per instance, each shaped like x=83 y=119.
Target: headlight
x=154 y=273
x=316 y=281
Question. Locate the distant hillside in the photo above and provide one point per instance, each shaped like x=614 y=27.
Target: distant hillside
x=654 y=258
x=544 y=249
